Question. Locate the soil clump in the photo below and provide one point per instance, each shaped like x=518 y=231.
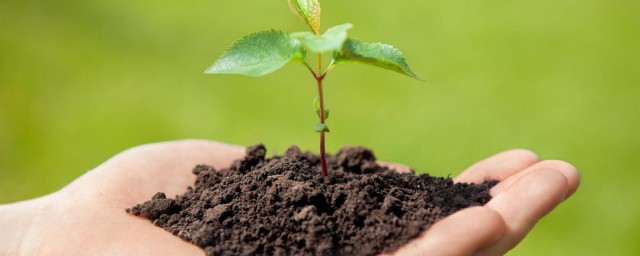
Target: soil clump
x=283 y=206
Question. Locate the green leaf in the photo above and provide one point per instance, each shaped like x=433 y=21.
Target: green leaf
x=330 y=41
x=308 y=11
x=377 y=54
x=316 y=107
x=316 y=104
x=321 y=128
x=258 y=54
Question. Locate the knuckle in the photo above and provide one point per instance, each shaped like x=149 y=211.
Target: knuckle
x=525 y=153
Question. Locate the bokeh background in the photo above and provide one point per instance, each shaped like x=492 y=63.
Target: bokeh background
x=83 y=80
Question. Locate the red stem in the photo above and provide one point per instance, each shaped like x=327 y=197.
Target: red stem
x=323 y=157
x=319 y=78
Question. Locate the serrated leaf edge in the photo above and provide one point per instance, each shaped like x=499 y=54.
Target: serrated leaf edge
x=407 y=71
x=299 y=56
x=313 y=22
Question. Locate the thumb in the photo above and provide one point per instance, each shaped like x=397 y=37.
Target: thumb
x=462 y=233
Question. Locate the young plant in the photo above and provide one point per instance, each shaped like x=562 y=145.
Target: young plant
x=264 y=52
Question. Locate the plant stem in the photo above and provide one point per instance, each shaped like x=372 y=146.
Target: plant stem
x=319 y=78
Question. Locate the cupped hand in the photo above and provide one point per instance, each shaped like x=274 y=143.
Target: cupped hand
x=528 y=189
x=87 y=217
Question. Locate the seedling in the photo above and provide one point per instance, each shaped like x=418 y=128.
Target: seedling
x=266 y=51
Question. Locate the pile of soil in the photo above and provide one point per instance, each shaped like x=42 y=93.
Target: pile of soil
x=283 y=206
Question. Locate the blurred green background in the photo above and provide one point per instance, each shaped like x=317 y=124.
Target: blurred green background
x=83 y=80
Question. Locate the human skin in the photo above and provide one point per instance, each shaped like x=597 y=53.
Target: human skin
x=87 y=217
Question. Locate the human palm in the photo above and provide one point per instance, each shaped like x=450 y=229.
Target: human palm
x=87 y=217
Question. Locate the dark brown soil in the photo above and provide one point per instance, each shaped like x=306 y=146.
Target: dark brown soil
x=283 y=206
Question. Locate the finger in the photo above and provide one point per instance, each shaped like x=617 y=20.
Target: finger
x=400 y=168
x=569 y=171
x=499 y=166
x=523 y=203
x=462 y=233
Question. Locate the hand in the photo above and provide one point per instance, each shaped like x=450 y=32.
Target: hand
x=528 y=190
x=87 y=216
